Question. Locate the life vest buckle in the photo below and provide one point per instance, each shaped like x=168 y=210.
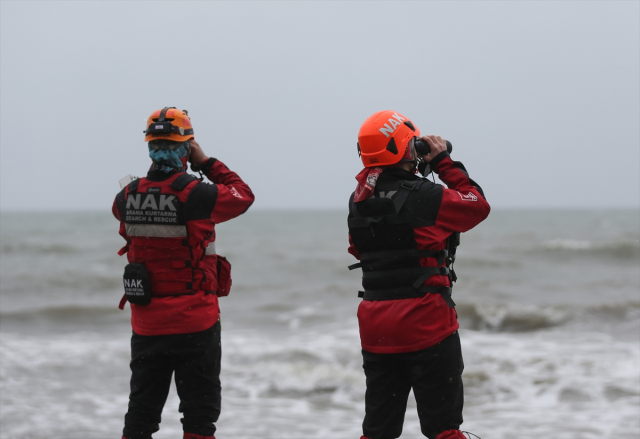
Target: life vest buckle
x=409 y=185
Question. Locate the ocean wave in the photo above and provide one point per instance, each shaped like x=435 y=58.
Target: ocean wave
x=288 y=379
x=60 y=312
x=620 y=249
x=64 y=319
x=509 y=317
x=61 y=285
x=513 y=317
x=40 y=248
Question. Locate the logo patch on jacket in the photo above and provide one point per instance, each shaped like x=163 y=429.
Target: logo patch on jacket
x=234 y=192
x=153 y=208
x=469 y=197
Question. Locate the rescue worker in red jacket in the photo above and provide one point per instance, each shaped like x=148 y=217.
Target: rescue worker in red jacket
x=404 y=229
x=174 y=276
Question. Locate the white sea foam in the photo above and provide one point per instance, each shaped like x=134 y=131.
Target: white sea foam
x=310 y=383
x=570 y=244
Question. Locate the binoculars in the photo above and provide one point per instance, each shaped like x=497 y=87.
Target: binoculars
x=423 y=148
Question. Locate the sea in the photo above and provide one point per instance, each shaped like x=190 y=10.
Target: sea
x=548 y=300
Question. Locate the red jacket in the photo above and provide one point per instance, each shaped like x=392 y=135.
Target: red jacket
x=168 y=221
x=406 y=325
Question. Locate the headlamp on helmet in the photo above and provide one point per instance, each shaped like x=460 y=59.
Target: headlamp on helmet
x=169 y=124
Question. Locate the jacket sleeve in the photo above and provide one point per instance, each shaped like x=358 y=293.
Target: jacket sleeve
x=463 y=204
x=234 y=195
x=115 y=210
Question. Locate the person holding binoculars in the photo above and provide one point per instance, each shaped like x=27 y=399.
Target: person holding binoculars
x=405 y=229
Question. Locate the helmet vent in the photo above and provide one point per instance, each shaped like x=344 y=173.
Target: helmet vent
x=410 y=125
x=391 y=146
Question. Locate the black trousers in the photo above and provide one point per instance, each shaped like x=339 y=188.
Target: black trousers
x=435 y=374
x=195 y=359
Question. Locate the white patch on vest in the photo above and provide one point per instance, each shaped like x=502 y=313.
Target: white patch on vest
x=156 y=230
x=234 y=192
x=469 y=197
x=395 y=120
x=167 y=201
x=149 y=202
x=133 y=201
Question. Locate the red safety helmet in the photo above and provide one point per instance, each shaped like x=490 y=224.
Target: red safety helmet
x=384 y=137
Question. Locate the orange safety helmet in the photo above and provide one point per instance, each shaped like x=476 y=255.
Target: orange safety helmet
x=169 y=124
x=384 y=137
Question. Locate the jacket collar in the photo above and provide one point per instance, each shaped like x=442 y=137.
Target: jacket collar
x=393 y=173
x=159 y=175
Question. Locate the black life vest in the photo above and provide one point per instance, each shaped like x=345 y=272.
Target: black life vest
x=382 y=230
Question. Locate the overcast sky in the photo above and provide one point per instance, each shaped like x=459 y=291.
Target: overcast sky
x=541 y=100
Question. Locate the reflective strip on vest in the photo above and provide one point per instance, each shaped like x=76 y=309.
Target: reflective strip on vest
x=156 y=230
x=211 y=249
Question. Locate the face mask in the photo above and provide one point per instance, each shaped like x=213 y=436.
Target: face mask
x=168 y=156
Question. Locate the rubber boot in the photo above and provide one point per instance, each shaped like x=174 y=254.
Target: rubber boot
x=451 y=434
x=196 y=436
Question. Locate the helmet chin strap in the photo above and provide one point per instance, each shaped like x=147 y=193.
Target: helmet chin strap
x=412 y=156
x=414 y=164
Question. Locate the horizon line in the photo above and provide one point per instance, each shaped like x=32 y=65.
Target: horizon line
x=336 y=209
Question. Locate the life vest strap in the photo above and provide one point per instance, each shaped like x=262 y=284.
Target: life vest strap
x=423 y=272
x=123 y=301
x=133 y=186
x=403 y=192
x=164 y=265
x=363 y=222
x=160 y=243
x=181 y=182
x=171 y=276
x=403 y=254
x=400 y=254
x=407 y=293
x=444 y=271
x=181 y=288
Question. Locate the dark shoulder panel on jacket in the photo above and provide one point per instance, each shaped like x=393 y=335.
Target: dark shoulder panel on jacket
x=201 y=201
x=120 y=200
x=425 y=204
